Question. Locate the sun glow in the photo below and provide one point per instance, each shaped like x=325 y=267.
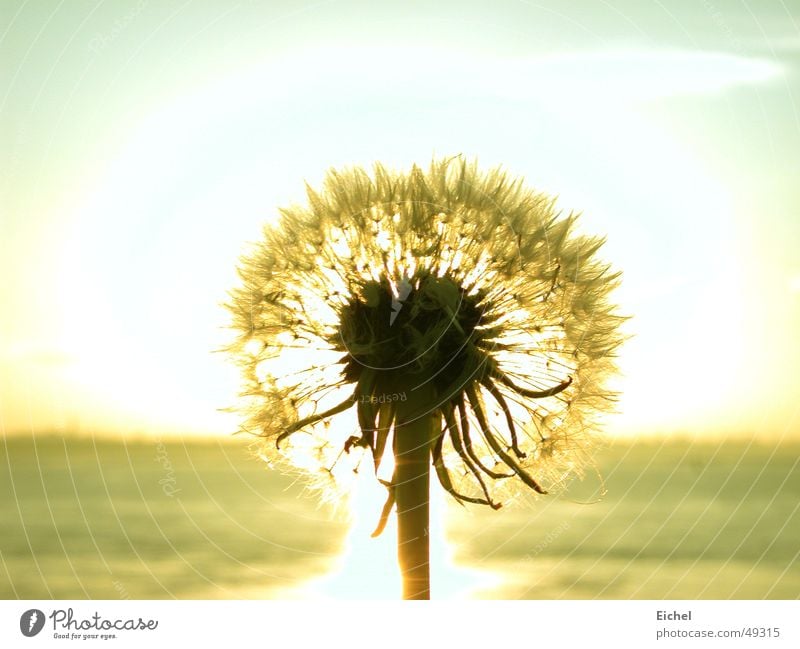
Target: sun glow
x=367 y=570
x=145 y=256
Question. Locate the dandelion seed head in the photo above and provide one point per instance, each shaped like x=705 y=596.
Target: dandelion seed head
x=465 y=281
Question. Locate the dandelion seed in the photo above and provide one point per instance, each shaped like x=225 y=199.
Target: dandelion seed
x=455 y=313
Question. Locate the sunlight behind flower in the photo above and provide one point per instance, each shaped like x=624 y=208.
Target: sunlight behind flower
x=365 y=570
x=101 y=311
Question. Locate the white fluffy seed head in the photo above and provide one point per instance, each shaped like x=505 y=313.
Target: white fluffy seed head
x=460 y=237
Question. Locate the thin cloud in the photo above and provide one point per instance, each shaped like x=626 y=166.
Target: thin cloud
x=637 y=75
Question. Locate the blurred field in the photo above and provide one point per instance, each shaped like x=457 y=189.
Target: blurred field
x=98 y=518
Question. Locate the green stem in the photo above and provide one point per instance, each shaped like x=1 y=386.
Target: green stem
x=412 y=440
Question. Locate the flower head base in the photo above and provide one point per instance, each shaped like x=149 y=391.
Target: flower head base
x=464 y=292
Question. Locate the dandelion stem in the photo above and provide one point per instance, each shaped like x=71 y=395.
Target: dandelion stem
x=414 y=429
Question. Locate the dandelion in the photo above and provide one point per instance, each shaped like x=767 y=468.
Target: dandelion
x=450 y=319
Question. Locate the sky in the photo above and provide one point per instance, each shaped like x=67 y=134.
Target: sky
x=143 y=144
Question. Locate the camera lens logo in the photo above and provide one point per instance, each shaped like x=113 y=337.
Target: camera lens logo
x=31 y=622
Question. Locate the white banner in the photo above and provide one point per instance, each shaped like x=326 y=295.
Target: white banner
x=290 y=625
